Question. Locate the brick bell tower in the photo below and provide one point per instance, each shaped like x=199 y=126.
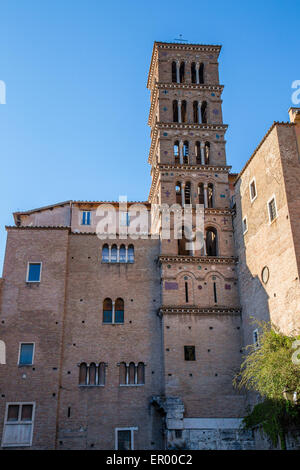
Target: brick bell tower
x=200 y=304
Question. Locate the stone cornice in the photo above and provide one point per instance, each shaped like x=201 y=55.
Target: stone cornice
x=177 y=46
x=179 y=86
x=194 y=310
x=197 y=259
x=180 y=126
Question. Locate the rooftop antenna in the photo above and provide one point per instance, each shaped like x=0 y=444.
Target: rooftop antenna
x=181 y=39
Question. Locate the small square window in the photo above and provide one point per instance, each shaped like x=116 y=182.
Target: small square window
x=245 y=225
x=26 y=354
x=189 y=353
x=34 y=272
x=86 y=218
x=272 y=209
x=253 y=192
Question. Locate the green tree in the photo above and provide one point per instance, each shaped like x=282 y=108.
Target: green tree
x=271 y=370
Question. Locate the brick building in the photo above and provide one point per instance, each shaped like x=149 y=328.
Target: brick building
x=117 y=342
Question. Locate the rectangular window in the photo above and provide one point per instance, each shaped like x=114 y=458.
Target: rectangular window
x=34 y=272
x=26 y=354
x=18 y=425
x=252 y=187
x=124 y=438
x=245 y=225
x=86 y=218
x=272 y=209
x=125 y=219
x=189 y=353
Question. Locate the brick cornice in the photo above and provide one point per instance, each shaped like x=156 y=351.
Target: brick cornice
x=194 y=310
x=177 y=46
x=197 y=259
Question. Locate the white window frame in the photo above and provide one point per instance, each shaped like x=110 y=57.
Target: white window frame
x=256 y=343
x=19 y=355
x=272 y=197
x=130 y=428
x=27 y=272
x=31 y=423
x=255 y=185
x=81 y=218
x=245 y=219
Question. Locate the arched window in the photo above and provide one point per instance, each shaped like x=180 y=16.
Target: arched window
x=183 y=111
x=204 y=112
x=181 y=72
x=201 y=193
x=211 y=241
x=193 y=72
x=114 y=254
x=107 y=311
x=176 y=151
x=210 y=195
x=92 y=374
x=207 y=152
x=83 y=374
x=132 y=373
x=183 y=248
x=178 y=193
x=122 y=254
x=185 y=152
x=195 y=112
x=174 y=73
x=130 y=254
x=101 y=373
x=141 y=373
x=119 y=311
x=198 y=152
x=175 y=111
x=201 y=73
x=187 y=193
x=122 y=373
x=105 y=254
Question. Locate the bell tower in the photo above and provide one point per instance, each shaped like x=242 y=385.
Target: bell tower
x=200 y=304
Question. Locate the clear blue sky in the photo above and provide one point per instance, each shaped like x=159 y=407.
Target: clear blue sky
x=75 y=122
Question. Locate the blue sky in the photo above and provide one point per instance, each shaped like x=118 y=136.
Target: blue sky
x=74 y=125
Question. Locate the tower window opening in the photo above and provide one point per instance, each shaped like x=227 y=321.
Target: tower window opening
x=181 y=72
x=210 y=194
x=207 y=152
x=186 y=152
x=193 y=72
x=183 y=111
x=198 y=152
x=204 y=112
x=174 y=73
x=201 y=73
x=176 y=151
x=178 y=193
x=211 y=241
x=195 y=112
x=175 y=111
